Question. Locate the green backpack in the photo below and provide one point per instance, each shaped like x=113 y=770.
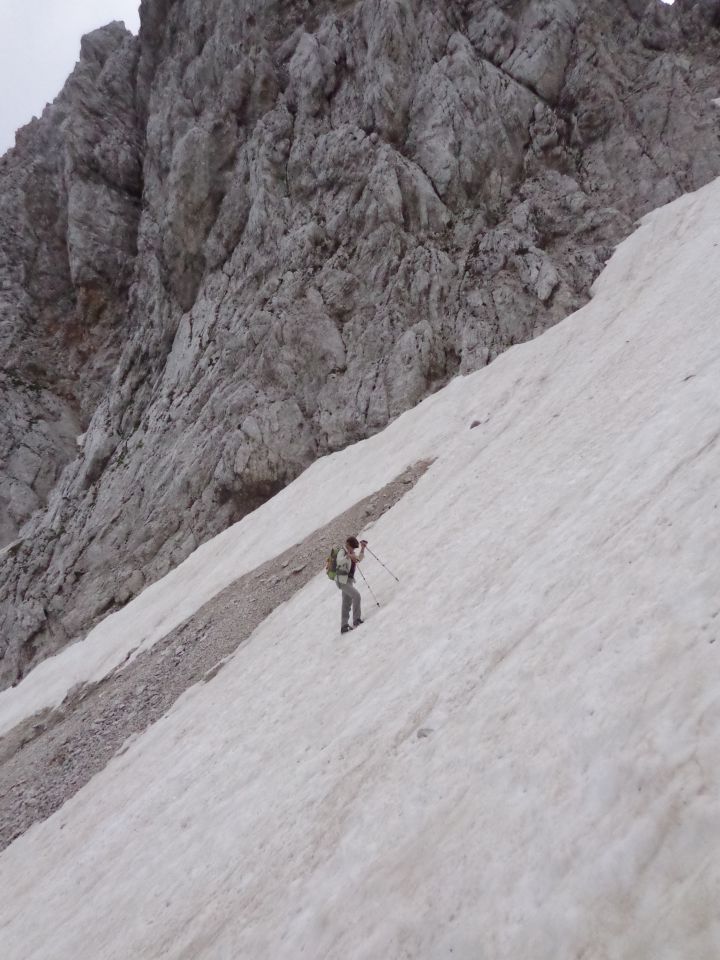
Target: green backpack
x=331 y=564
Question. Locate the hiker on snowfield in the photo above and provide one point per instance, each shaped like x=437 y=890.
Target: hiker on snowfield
x=347 y=560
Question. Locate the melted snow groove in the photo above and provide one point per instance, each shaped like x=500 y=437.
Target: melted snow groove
x=47 y=759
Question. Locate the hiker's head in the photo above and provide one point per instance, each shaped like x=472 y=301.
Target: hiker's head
x=352 y=542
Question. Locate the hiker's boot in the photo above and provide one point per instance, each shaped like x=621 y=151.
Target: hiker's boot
x=346 y=629
x=356 y=623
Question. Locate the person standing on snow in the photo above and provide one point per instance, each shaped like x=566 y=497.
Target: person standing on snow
x=347 y=560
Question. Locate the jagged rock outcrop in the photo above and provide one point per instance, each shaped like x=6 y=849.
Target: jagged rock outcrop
x=69 y=210
x=343 y=204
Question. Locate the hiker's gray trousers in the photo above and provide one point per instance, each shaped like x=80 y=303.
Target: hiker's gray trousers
x=350 y=598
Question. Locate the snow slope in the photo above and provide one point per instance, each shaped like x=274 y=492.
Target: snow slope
x=555 y=637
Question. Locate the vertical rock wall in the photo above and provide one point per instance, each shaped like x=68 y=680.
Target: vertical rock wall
x=69 y=211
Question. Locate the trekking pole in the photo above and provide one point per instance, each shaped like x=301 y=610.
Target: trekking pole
x=368 y=586
x=382 y=564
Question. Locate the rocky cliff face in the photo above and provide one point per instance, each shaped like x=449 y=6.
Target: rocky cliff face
x=262 y=230
x=69 y=208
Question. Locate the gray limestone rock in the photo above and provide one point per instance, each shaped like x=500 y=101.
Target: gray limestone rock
x=69 y=207
x=267 y=229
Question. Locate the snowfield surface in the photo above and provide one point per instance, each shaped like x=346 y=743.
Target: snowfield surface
x=554 y=640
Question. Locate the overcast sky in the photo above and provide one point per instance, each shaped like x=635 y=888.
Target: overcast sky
x=39 y=46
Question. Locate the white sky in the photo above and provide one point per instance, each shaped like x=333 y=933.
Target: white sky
x=39 y=46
